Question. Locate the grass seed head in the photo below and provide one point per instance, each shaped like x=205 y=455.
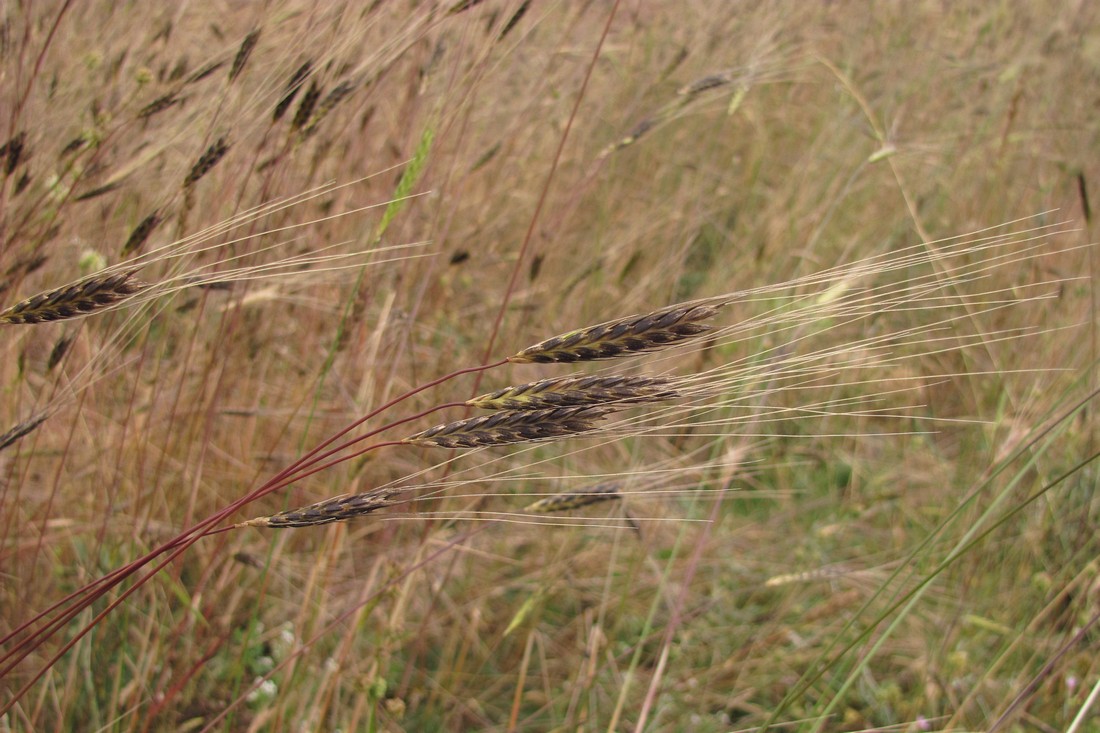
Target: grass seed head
x=78 y=299
x=511 y=426
x=570 y=391
x=624 y=337
x=207 y=161
x=336 y=509
x=575 y=499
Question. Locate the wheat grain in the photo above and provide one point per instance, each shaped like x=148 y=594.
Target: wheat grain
x=570 y=391
x=511 y=426
x=336 y=509
x=75 y=300
x=575 y=499
x=624 y=337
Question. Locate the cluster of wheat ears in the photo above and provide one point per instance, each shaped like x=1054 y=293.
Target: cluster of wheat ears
x=840 y=342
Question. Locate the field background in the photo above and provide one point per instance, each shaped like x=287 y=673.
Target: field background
x=525 y=167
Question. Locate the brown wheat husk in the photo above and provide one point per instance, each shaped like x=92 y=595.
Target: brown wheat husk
x=336 y=509
x=570 y=391
x=575 y=499
x=72 y=301
x=511 y=426
x=624 y=337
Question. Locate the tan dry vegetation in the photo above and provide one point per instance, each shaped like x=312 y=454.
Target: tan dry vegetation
x=827 y=454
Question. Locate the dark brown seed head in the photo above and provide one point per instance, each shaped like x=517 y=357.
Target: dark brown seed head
x=72 y=301
x=576 y=499
x=333 y=98
x=141 y=233
x=511 y=426
x=22 y=430
x=12 y=152
x=292 y=88
x=305 y=107
x=247 y=46
x=159 y=105
x=60 y=348
x=707 y=82
x=337 y=509
x=205 y=71
x=209 y=159
x=624 y=337
x=570 y=391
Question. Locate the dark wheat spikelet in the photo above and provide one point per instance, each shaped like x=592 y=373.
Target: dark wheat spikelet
x=209 y=159
x=333 y=98
x=624 y=337
x=570 y=391
x=701 y=85
x=336 y=509
x=12 y=152
x=292 y=88
x=511 y=426
x=576 y=499
x=159 y=104
x=305 y=108
x=141 y=233
x=247 y=46
x=22 y=430
x=78 y=299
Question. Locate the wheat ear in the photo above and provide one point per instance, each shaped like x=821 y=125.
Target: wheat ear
x=336 y=509
x=623 y=337
x=511 y=426
x=570 y=391
x=575 y=499
x=72 y=301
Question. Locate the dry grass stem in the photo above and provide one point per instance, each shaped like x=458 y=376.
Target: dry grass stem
x=511 y=426
x=575 y=499
x=624 y=337
x=570 y=391
x=336 y=509
x=72 y=301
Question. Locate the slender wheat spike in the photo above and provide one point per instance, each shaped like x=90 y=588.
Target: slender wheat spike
x=570 y=391
x=707 y=82
x=159 y=104
x=336 y=509
x=205 y=71
x=141 y=233
x=291 y=91
x=563 y=502
x=511 y=426
x=209 y=159
x=247 y=46
x=333 y=98
x=12 y=152
x=624 y=337
x=22 y=430
x=305 y=107
x=515 y=19
x=59 y=350
x=72 y=301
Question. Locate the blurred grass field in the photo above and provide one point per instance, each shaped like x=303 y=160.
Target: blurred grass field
x=904 y=543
